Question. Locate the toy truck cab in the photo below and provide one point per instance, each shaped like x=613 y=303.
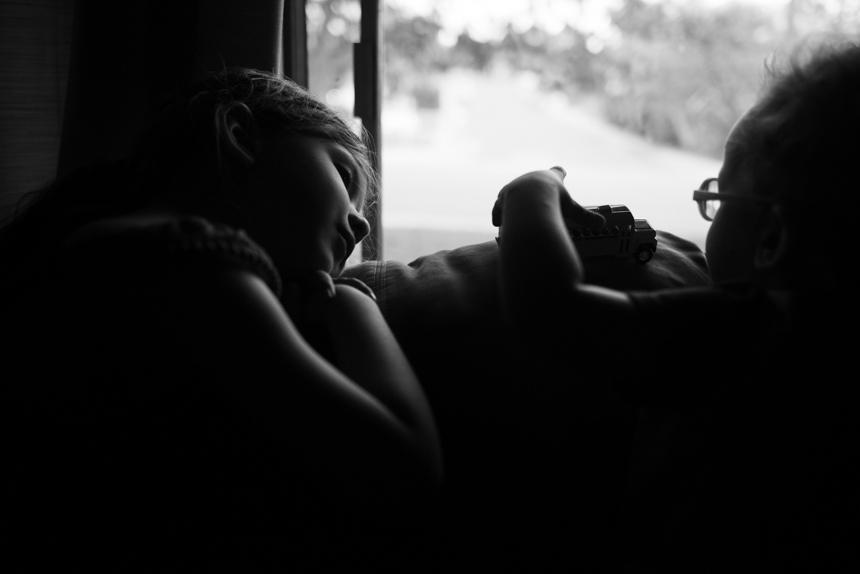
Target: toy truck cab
x=622 y=235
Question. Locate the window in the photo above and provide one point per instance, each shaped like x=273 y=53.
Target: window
x=633 y=97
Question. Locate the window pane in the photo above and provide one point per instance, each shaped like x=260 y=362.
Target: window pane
x=333 y=28
x=633 y=98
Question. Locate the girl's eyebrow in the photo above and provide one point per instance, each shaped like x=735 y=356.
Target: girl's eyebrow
x=358 y=178
x=361 y=187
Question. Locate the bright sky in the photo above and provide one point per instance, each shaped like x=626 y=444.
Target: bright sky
x=486 y=19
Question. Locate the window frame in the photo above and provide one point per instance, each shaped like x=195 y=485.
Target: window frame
x=367 y=73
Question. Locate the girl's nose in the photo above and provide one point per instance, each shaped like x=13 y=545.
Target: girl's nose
x=359 y=225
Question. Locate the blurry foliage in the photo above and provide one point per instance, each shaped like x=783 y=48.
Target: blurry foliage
x=682 y=74
x=562 y=60
x=676 y=72
x=683 y=77
x=333 y=27
x=412 y=55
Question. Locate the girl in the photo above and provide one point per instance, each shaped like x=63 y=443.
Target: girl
x=197 y=381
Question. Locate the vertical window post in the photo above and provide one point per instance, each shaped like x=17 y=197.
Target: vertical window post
x=367 y=63
x=295 y=42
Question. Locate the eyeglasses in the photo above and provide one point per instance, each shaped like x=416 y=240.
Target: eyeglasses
x=708 y=197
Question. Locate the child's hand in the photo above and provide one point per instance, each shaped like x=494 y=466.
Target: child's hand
x=312 y=304
x=297 y=295
x=356 y=284
x=574 y=215
x=304 y=301
x=317 y=305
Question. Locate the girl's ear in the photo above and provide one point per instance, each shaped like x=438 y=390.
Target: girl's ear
x=237 y=132
x=774 y=246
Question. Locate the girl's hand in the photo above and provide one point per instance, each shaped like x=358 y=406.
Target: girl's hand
x=574 y=215
x=313 y=302
x=356 y=284
x=297 y=295
x=304 y=300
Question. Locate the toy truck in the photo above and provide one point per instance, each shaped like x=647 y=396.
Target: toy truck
x=622 y=235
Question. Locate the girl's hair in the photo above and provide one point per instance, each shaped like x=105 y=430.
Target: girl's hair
x=183 y=145
x=279 y=105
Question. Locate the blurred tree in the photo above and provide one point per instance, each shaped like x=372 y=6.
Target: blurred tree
x=413 y=55
x=683 y=78
x=471 y=53
x=683 y=74
x=333 y=27
x=803 y=17
x=680 y=73
x=562 y=60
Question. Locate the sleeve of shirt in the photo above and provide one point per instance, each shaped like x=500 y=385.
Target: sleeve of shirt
x=181 y=241
x=703 y=340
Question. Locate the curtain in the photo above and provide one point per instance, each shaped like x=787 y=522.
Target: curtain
x=79 y=79
x=35 y=39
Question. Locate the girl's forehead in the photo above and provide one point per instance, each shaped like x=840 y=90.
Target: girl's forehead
x=317 y=141
x=329 y=149
x=311 y=144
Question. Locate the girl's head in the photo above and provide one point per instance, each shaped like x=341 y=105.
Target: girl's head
x=278 y=157
x=241 y=146
x=195 y=121
x=797 y=148
x=291 y=167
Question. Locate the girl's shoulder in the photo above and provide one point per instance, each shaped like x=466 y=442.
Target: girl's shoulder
x=162 y=240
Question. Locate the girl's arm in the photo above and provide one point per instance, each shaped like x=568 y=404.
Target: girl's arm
x=364 y=430
x=544 y=295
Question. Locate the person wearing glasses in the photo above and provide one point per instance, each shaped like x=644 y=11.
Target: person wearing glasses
x=742 y=443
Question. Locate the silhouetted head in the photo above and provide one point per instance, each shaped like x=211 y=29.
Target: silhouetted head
x=795 y=151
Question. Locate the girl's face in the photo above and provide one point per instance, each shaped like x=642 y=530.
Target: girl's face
x=305 y=204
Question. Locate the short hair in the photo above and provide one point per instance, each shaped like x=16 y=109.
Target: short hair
x=805 y=141
x=801 y=148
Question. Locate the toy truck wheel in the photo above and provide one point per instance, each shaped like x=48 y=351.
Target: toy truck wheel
x=643 y=254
